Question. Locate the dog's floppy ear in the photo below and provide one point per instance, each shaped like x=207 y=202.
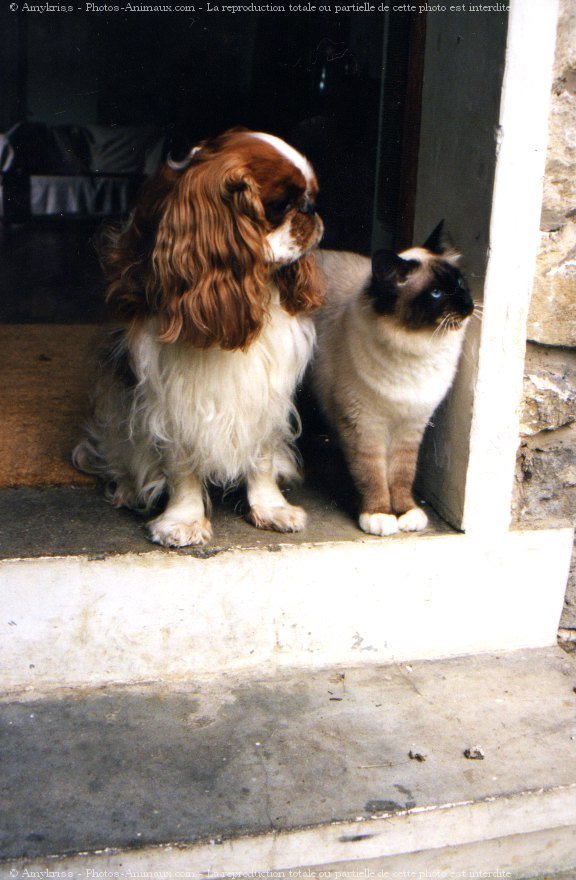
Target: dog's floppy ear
x=208 y=259
x=302 y=286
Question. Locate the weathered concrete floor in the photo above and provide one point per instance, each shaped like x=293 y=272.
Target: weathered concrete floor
x=64 y=521
x=126 y=767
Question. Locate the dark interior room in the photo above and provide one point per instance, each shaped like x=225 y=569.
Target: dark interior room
x=95 y=102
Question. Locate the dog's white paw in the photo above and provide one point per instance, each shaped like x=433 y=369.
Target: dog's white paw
x=285 y=518
x=414 y=520
x=381 y=524
x=172 y=533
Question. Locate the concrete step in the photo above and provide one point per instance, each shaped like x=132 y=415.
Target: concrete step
x=361 y=770
x=87 y=601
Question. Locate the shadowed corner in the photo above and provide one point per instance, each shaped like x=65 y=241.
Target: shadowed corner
x=324 y=466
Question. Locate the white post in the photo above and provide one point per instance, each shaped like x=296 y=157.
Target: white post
x=514 y=236
x=486 y=96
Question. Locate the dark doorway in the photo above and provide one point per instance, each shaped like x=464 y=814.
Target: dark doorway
x=343 y=88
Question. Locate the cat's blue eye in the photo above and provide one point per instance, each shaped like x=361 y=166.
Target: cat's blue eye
x=436 y=294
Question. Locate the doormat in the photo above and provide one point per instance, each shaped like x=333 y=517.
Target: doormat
x=46 y=374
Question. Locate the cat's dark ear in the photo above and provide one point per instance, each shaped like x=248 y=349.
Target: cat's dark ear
x=388 y=266
x=440 y=242
x=388 y=272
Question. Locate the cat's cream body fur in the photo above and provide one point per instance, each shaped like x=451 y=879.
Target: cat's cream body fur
x=378 y=384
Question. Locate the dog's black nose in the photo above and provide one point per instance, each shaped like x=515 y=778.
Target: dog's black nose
x=307 y=207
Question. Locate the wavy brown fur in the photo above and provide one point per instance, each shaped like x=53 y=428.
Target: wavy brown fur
x=302 y=286
x=194 y=254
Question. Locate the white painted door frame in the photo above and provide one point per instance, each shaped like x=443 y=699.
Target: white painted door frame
x=491 y=198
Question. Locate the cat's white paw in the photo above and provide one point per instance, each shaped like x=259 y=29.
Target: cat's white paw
x=378 y=523
x=172 y=533
x=414 y=520
x=284 y=518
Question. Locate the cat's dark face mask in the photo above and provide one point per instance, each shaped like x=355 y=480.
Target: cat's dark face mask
x=424 y=289
x=445 y=301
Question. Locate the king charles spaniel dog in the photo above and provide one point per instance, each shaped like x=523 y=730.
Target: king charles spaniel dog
x=214 y=280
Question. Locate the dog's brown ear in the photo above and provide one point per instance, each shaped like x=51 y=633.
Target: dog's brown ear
x=125 y=251
x=302 y=285
x=208 y=259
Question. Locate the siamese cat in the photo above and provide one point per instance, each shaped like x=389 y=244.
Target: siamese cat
x=389 y=339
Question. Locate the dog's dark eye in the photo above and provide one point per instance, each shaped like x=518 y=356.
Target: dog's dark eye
x=437 y=294
x=281 y=206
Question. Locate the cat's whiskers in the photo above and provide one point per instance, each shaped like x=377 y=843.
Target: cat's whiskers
x=444 y=326
x=439 y=327
x=448 y=324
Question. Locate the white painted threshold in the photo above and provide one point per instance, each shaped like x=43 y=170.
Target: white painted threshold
x=84 y=621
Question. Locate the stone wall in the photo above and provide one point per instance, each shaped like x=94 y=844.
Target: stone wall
x=546 y=467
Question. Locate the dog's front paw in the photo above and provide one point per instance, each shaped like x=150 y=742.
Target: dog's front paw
x=172 y=533
x=414 y=520
x=381 y=524
x=285 y=518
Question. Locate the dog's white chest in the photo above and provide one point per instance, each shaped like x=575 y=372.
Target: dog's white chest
x=219 y=409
